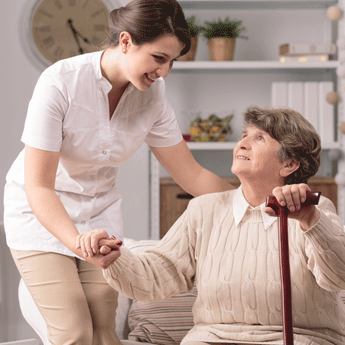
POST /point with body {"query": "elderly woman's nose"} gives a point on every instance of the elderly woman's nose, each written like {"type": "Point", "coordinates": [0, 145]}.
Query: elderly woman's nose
{"type": "Point", "coordinates": [244, 142]}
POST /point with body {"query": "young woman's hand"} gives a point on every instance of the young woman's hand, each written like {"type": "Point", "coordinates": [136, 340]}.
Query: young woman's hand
{"type": "Point", "coordinates": [98, 248]}
{"type": "Point", "coordinates": [293, 196]}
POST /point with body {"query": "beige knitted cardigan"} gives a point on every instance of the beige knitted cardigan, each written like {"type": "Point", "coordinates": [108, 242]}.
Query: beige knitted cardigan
{"type": "Point", "coordinates": [236, 270]}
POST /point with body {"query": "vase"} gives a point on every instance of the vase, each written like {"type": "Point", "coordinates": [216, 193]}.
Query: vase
{"type": "Point", "coordinates": [221, 48]}
{"type": "Point", "coordinates": [190, 56]}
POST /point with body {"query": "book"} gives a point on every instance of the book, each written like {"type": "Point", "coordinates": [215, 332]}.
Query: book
{"type": "Point", "coordinates": [279, 94]}
{"type": "Point", "coordinates": [326, 114]}
{"type": "Point", "coordinates": [304, 58]}
{"type": "Point", "coordinates": [311, 103]}
{"type": "Point", "coordinates": [296, 96]}
{"type": "Point", "coordinates": [306, 49]}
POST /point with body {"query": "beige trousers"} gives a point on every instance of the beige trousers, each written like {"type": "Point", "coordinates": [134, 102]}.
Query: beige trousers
{"type": "Point", "coordinates": [75, 300]}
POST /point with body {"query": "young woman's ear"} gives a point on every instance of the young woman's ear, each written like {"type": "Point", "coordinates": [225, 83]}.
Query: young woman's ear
{"type": "Point", "coordinates": [289, 166]}
{"type": "Point", "coordinates": [125, 41]}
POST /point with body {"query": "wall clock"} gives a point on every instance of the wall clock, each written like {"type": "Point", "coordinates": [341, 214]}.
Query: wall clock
{"type": "Point", "coordinates": [58, 29]}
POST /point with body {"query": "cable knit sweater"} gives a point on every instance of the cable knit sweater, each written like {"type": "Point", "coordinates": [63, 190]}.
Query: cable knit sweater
{"type": "Point", "coordinates": [236, 270]}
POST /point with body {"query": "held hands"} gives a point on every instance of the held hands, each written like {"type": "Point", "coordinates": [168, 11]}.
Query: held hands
{"type": "Point", "coordinates": [98, 248]}
{"type": "Point", "coordinates": [292, 197]}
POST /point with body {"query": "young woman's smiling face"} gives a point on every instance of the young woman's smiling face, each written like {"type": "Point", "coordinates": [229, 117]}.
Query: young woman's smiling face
{"type": "Point", "coordinates": [256, 156]}
{"type": "Point", "coordinates": [143, 64]}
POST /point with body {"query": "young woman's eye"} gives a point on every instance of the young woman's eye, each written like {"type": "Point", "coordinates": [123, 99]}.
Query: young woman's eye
{"type": "Point", "coordinates": [261, 138]}
{"type": "Point", "coordinates": [158, 58]}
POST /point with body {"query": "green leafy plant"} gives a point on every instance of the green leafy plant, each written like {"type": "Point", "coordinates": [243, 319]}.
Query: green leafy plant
{"type": "Point", "coordinates": [224, 28]}
{"type": "Point", "coordinates": [194, 29]}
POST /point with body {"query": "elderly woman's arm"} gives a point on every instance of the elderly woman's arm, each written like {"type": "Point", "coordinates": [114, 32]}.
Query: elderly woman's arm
{"type": "Point", "coordinates": [157, 274]}
{"type": "Point", "coordinates": [323, 231]}
{"type": "Point", "coordinates": [325, 248]}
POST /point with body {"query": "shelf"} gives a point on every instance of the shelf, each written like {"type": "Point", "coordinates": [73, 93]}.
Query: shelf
{"type": "Point", "coordinates": [230, 145]}
{"type": "Point", "coordinates": [258, 4]}
{"type": "Point", "coordinates": [214, 66]}
{"type": "Point", "coordinates": [213, 146]}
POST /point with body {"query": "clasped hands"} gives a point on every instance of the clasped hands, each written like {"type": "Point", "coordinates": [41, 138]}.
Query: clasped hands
{"type": "Point", "coordinates": [98, 248]}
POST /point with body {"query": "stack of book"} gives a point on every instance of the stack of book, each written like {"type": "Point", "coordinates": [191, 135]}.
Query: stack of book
{"type": "Point", "coordinates": [309, 99]}
{"type": "Point", "coordinates": [292, 52]}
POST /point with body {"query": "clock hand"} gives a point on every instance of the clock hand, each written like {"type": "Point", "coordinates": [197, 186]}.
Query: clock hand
{"type": "Point", "coordinates": [83, 37]}
{"type": "Point", "coordinates": [75, 34]}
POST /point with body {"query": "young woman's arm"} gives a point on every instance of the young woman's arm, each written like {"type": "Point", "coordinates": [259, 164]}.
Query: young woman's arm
{"type": "Point", "coordinates": [40, 174]}
{"type": "Point", "coordinates": [179, 162]}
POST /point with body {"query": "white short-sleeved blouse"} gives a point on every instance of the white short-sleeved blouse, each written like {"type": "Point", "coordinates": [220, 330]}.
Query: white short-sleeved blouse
{"type": "Point", "coordinates": [69, 113]}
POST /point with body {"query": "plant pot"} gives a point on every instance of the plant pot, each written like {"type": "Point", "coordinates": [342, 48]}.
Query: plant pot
{"type": "Point", "coordinates": [190, 56]}
{"type": "Point", "coordinates": [221, 48]}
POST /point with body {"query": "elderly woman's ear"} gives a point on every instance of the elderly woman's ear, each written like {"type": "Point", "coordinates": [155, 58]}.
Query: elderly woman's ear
{"type": "Point", "coordinates": [289, 166]}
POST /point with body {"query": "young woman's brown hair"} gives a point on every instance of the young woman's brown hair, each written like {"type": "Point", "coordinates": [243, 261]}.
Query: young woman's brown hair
{"type": "Point", "coordinates": [146, 20]}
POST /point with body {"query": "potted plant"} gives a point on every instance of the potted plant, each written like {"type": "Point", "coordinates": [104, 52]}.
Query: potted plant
{"type": "Point", "coordinates": [195, 30]}
{"type": "Point", "coordinates": [221, 36]}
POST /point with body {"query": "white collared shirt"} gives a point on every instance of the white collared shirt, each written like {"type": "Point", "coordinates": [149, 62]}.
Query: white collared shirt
{"type": "Point", "coordinates": [69, 113]}
{"type": "Point", "coordinates": [241, 205]}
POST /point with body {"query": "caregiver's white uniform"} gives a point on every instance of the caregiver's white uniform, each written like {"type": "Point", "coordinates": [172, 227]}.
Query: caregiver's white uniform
{"type": "Point", "coordinates": [69, 113]}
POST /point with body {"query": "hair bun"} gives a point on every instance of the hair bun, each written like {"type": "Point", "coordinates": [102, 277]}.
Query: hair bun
{"type": "Point", "coordinates": [115, 13]}
{"type": "Point", "coordinates": [146, 20]}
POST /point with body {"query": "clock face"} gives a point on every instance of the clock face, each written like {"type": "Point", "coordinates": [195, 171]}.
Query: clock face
{"type": "Point", "coordinates": [65, 28]}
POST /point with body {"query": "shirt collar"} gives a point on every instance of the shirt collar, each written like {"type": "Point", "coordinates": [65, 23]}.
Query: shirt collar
{"type": "Point", "coordinates": [240, 206]}
{"type": "Point", "coordinates": [103, 82]}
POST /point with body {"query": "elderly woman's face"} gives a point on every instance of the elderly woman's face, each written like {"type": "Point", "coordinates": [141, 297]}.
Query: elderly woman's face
{"type": "Point", "coordinates": [256, 156]}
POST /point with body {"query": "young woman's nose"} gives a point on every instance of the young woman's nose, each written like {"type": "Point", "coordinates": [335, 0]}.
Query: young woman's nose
{"type": "Point", "coordinates": [164, 70]}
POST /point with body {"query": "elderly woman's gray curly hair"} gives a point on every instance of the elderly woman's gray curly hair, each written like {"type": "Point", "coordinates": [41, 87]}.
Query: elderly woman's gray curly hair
{"type": "Point", "coordinates": [297, 137]}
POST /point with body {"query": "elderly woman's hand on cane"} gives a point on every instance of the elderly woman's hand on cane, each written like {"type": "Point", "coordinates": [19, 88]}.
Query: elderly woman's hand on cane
{"type": "Point", "coordinates": [294, 198]}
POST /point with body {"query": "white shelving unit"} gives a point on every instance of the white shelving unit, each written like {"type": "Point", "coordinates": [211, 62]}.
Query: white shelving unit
{"type": "Point", "coordinates": [315, 69]}
{"type": "Point", "coordinates": [211, 66]}
{"type": "Point", "coordinates": [231, 4]}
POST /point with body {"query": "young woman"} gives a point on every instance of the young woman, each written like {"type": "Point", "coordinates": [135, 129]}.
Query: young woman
{"type": "Point", "coordinates": [227, 245]}
{"type": "Point", "coordinates": [87, 115]}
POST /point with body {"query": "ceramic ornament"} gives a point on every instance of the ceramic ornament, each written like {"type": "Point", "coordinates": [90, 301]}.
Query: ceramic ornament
{"type": "Point", "coordinates": [332, 97]}
{"type": "Point", "coordinates": [334, 13]}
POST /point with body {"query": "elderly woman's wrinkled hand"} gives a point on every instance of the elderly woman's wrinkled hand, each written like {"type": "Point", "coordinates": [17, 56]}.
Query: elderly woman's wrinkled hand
{"type": "Point", "coordinates": [98, 248]}
{"type": "Point", "coordinates": [293, 196]}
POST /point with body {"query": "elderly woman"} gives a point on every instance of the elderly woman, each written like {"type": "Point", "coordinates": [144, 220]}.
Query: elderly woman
{"type": "Point", "coordinates": [227, 244]}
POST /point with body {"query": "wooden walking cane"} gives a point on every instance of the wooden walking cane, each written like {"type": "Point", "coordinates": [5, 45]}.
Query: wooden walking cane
{"type": "Point", "coordinates": [282, 214]}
